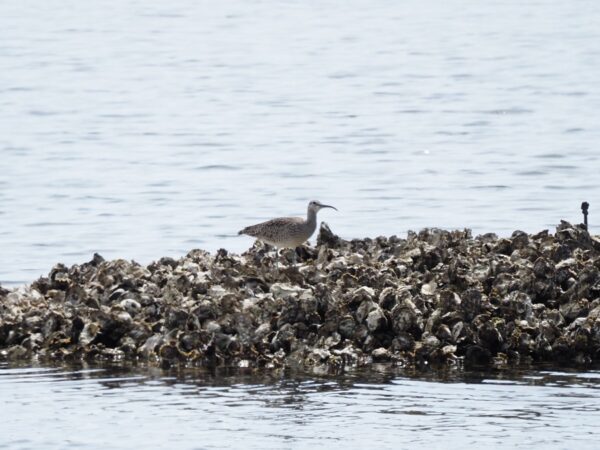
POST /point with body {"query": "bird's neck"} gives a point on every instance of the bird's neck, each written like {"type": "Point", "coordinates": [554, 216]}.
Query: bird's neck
{"type": "Point", "coordinates": [311, 217]}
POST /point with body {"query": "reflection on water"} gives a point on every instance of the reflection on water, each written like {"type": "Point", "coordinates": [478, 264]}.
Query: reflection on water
{"type": "Point", "coordinates": [146, 129]}
{"type": "Point", "coordinates": [126, 407]}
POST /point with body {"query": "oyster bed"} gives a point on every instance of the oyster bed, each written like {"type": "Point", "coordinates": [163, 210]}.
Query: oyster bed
{"type": "Point", "coordinates": [435, 297]}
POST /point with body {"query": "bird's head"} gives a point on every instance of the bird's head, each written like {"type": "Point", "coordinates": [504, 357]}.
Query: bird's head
{"type": "Point", "coordinates": [316, 206]}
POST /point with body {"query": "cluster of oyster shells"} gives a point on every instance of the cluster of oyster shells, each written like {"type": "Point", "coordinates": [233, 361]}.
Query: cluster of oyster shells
{"type": "Point", "coordinates": [435, 297]}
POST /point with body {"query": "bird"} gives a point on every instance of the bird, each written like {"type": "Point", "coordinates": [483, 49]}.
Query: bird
{"type": "Point", "coordinates": [287, 232]}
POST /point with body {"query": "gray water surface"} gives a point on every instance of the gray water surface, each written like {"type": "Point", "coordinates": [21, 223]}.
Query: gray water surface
{"type": "Point", "coordinates": [117, 407]}
{"type": "Point", "coordinates": [142, 129]}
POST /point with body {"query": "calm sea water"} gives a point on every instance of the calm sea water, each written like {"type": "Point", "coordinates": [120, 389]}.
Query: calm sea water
{"type": "Point", "coordinates": [141, 129]}
{"type": "Point", "coordinates": [103, 407]}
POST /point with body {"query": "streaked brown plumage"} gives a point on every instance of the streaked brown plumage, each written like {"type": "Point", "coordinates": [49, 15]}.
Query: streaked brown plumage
{"type": "Point", "coordinates": [287, 232]}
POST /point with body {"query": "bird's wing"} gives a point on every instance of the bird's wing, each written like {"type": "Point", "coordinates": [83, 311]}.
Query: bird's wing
{"type": "Point", "coordinates": [266, 229]}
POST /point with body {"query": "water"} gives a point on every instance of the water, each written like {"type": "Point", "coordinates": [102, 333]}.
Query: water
{"type": "Point", "coordinates": [104, 407]}
{"type": "Point", "coordinates": [141, 129]}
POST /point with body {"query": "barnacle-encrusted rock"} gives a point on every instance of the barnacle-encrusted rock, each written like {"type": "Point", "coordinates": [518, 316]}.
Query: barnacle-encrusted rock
{"type": "Point", "coordinates": [437, 296]}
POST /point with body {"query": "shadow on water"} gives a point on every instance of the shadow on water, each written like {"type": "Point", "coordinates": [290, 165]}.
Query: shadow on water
{"type": "Point", "coordinates": [122, 375]}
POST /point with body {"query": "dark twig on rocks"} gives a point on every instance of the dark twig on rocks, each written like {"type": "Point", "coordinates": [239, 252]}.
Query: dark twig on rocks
{"type": "Point", "coordinates": [584, 209]}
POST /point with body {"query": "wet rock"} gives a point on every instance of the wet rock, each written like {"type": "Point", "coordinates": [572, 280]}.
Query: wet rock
{"type": "Point", "coordinates": [381, 354]}
{"type": "Point", "coordinates": [572, 310]}
{"type": "Point", "coordinates": [490, 336]}
{"type": "Point", "coordinates": [89, 333]}
{"type": "Point", "coordinates": [471, 303]}
{"type": "Point", "coordinates": [436, 296]}
{"type": "Point", "coordinates": [518, 305]}
{"type": "Point", "coordinates": [444, 333]}
{"type": "Point", "coordinates": [519, 240]}
{"type": "Point", "coordinates": [347, 326]}
{"type": "Point", "coordinates": [326, 238]}
{"type": "Point", "coordinates": [406, 317]}
{"type": "Point", "coordinates": [376, 320]}
{"type": "Point", "coordinates": [503, 246]}
{"type": "Point", "coordinates": [544, 268]}
{"type": "Point", "coordinates": [477, 355]}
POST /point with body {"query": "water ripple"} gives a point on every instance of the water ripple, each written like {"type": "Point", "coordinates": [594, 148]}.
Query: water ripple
{"type": "Point", "coordinates": [268, 410]}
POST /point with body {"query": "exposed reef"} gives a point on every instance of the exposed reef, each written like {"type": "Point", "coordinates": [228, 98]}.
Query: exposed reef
{"type": "Point", "coordinates": [434, 297]}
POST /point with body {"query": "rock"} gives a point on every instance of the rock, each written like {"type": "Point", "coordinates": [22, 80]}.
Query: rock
{"type": "Point", "coordinates": [381, 354]}
{"type": "Point", "coordinates": [439, 296]}
{"type": "Point", "coordinates": [376, 320]}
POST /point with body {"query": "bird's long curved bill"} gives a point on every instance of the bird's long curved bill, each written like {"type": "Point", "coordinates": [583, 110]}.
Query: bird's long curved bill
{"type": "Point", "coordinates": [329, 206]}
